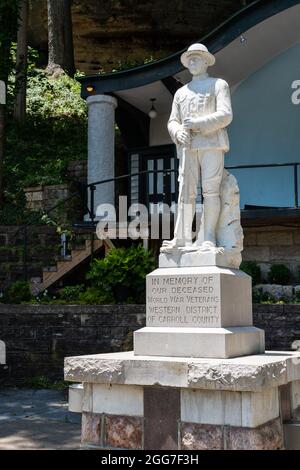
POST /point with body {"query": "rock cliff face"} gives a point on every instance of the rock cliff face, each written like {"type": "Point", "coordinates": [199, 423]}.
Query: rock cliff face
{"type": "Point", "coordinates": [110, 33]}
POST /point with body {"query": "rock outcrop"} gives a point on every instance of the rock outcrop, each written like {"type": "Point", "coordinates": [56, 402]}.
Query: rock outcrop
{"type": "Point", "coordinates": [112, 33]}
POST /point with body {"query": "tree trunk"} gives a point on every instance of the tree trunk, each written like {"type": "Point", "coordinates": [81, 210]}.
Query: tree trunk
{"type": "Point", "coordinates": [60, 38]}
{"type": "Point", "coordinates": [8, 27]}
{"type": "Point", "coordinates": [21, 66]}
{"type": "Point", "coordinates": [2, 114]}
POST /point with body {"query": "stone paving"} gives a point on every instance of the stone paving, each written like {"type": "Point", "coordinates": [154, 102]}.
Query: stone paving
{"type": "Point", "coordinates": [37, 420]}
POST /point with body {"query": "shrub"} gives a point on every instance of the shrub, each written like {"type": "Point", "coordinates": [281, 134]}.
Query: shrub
{"type": "Point", "coordinates": [71, 293]}
{"type": "Point", "coordinates": [18, 292]}
{"type": "Point", "coordinates": [121, 274]}
{"type": "Point", "coordinates": [38, 153]}
{"type": "Point", "coordinates": [253, 269]}
{"type": "Point", "coordinates": [259, 297]}
{"type": "Point", "coordinates": [94, 296]}
{"type": "Point", "coordinates": [279, 274]}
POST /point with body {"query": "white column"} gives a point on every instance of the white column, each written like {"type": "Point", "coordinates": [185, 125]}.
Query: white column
{"type": "Point", "coordinates": [101, 146]}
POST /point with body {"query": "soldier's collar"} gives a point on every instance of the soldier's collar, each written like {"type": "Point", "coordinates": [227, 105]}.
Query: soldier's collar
{"type": "Point", "coordinates": [203, 76]}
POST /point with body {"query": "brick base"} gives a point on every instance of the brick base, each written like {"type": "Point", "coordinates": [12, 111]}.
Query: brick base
{"type": "Point", "coordinates": [127, 432]}
{"type": "Point", "coordinates": [106, 431]}
{"type": "Point", "coordinates": [208, 437]}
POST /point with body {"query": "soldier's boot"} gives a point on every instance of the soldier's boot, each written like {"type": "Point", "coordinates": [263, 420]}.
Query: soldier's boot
{"type": "Point", "coordinates": [183, 229]}
{"type": "Point", "coordinates": [212, 207]}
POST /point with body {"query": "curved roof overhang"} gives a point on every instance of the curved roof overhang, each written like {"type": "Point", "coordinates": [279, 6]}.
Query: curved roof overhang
{"type": "Point", "coordinates": [260, 20]}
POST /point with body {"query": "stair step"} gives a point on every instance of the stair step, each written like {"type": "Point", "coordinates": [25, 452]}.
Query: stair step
{"type": "Point", "coordinates": [63, 258]}
{"type": "Point", "coordinates": [79, 247]}
{"type": "Point", "coordinates": [67, 264]}
{"type": "Point", "coordinates": [50, 269]}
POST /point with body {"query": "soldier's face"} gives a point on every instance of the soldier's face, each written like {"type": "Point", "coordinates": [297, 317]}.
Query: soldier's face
{"type": "Point", "coordinates": [197, 64]}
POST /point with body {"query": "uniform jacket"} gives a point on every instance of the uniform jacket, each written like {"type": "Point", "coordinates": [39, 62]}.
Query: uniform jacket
{"type": "Point", "coordinates": [209, 100]}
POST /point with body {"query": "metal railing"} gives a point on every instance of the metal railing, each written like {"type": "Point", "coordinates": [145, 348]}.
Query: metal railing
{"type": "Point", "coordinates": [91, 188]}
{"type": "Point", "coordinates": [90, 208]}
{"type": "Point", "coordinates": [24, 228]}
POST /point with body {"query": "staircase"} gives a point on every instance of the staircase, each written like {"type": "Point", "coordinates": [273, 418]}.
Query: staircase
{"type": "Point", "coordinates": [65, 265]}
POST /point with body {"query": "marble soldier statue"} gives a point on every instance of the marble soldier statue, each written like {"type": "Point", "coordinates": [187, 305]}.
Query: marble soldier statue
{"type": "Point", "coordinates": [201, 112]}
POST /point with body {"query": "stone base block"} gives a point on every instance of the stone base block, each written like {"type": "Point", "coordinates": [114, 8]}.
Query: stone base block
{"type": "Point", "coordinates": [207, 437]}
{"type": "Point", "coordinates": [151, 403]}
{"type": "Point", "coordinates": [228, 259]}
{"type": "Point", "coordinates": [198, 297]}
{"type": "Point", "coordinates": [199, 342]}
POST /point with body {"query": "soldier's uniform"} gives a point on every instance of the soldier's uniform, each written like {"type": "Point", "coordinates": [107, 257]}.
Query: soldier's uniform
{"type": "Point", "coordinates": [208, 100]}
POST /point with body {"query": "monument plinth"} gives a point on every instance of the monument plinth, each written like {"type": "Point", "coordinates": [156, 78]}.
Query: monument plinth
{"type": "Point", "coordinates": [198, 312]}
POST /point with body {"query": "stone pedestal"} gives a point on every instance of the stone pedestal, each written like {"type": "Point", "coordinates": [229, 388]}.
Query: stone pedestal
{"type": "Point", "coordinates": [199, 342]}
{"type": "Point", "coordinates": [163, 403]}
{"type": "Point", "coordinates": [101, 146]}
{"type": "Point", "coordinates": [198, 312]}
{"type": "Point", "coordinates": [231, 258]}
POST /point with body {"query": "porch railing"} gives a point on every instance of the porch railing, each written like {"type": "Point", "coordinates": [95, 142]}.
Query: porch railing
{"type": "Point", "coordinates": [91, 188]}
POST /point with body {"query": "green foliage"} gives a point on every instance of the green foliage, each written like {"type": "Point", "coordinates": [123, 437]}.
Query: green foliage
{"type": "Point", "coordinates": [130, 64]}
{"type": "Point", "coordinates": [71, 293]}
{"type": "Point", "coordinates": [279, 274]}
{"type": "Point", "coordinates": [94, 296]}
{"type": "Point", "coordinates": [54, 98]}
{"type": "Point", "coordinates": [122, 273]}
{"type": "Point", "coordinates": [259, 297]}
{"type": "Point", "coordinates": [54, 134]}
{"type": "Point", "coordinates": [297, 296]}
{"type": "Point", "coordinates": [253, 269]}
{"type": "Point", "coordinates": [45, 297]}
{"type": "Point", "coordinates": [42, 382]}
{"type": "Point", "coordinates": [18, 292]}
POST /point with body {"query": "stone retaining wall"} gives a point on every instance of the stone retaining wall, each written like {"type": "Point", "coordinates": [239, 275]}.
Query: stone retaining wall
{"type": "Point", "coordinates": [273, 245]}
{"type": "Point", "coordinates": [42, 247]}
{"type": "Point", "coordinates": [38, 337]}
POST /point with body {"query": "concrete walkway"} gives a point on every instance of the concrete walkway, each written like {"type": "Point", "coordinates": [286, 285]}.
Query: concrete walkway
{"type": "Point", "coordinates": [37, 419]}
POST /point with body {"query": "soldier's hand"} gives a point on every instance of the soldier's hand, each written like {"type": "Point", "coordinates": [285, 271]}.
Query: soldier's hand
{"type": "Point", "coordinates": [183, 137]}
{"type": "Point", "coordinates": [190, 123]}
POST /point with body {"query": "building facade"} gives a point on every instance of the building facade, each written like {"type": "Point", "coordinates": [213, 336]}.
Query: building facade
{"type": "Point", "coordinates": [257, 53]}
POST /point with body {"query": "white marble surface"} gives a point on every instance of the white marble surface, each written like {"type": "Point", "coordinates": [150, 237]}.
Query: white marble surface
{"type": "Point", "coordinates": [246, 409]}
{"type": "Point", "coordinates": [253, 373]}
{"type": "Point", "coordinates": [87, 401]}
{"type": "Point", "coordinates": [229, 231]}
{"type": "Point", "coordinates": [199, 342]}
{"type": "Point", "coordinates": [117, 399]}
{"type": "Point", "coordinates": [258, 408]}
{"type": "Point", "coordinates": [231, 258]}
{"type": "Point", "coordinates": [211, 407]}
{"type": "Point", "coordinates": [199, 297]}
{"type": "Point", "coordinates": [201, 111]}
{"type": "Point", "coordinates": [295, 392]}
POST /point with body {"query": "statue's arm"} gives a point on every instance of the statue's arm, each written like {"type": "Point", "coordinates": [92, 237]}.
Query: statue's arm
{"type": "Point", "coordinates": [174, 123]}
{"type": "Point", "coordinates": [222, 117]}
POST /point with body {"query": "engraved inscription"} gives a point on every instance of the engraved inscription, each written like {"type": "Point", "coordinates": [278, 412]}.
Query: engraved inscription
{"type": "Point", "coordinates": [190, 301]}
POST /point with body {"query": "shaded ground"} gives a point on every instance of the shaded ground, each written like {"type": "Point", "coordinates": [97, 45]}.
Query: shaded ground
{"type": "Point", "coordinates": [37, 419]}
